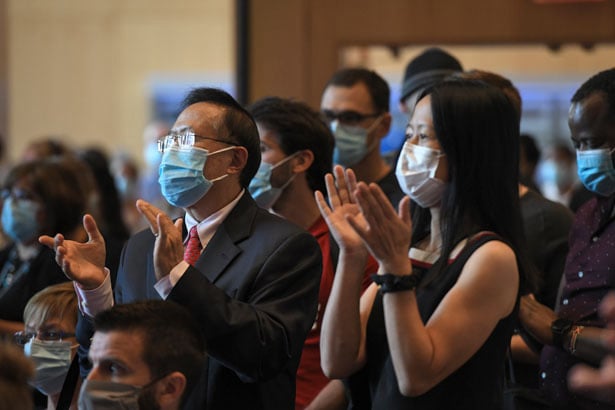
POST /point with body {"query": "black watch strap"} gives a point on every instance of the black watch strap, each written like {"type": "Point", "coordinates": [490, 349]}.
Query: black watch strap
{"type": "Point", "coordinates": [389, 282]}
{"type": "Point", "coordinates": [559, 329]}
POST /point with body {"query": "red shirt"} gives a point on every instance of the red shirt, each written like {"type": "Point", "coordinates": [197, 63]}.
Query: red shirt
{"type": "Point", "coordinates": [310, 378]}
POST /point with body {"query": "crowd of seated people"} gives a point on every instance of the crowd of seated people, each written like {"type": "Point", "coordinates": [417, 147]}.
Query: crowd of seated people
{"type": "Point", "coordinates": [286, 264]}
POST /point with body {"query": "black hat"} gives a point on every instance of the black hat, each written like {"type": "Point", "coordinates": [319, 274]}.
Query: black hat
{"type": "Point", "coordinates": [426, 69]}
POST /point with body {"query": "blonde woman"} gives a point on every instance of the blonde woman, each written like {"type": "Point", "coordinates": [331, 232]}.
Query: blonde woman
{"type": "Point", "coordinates": [49, 341]}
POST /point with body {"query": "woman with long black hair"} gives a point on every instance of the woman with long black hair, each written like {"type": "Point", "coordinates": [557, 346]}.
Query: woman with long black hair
{"type": "Point", "coordinates": [434, 328]}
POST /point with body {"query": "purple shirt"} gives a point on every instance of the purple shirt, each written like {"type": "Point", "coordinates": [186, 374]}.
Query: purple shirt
{"type": "Point", "coordinates": [589, 275]}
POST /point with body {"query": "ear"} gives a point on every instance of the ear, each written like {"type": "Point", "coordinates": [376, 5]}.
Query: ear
{"type": "Point", "coordinates": [303, 161]}
{"type": "Point", "coordinates": [385, 125]}
{"type": "Point", "coordinates": [170, 390]}
{"type": "Point", "coordinates": [239, 160]}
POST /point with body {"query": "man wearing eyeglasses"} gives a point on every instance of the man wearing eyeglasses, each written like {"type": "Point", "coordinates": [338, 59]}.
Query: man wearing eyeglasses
{"type": "Point", "coordinates": [249, 278]}
{"type": "Point", "coordinates": [355, 103]}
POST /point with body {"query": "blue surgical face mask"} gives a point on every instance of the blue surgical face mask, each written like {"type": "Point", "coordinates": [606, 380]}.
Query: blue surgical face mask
{"type": "Point", "coordinates": [19, 219]}
{"type": "Point", "coordinates": [52, 361]}
{"type": "Point", "coordinates": [260, 187]}
{"type": "Point", "coordinates": [596, 172]}
{"type": "Point", "coordinates": [351, 142]}
{"type": "Point", "coordinates": [181, 176]}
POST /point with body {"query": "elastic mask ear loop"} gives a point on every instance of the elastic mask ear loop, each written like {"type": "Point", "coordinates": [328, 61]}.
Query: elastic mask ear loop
{"type": "Point", "coordinates": [375, 124]}
{"type": "Point", "coordinates": [209, 154]}
{"type": "Point", "coordinates": [285, 160]}
{"type": "Point", "coordinates": [218, 152]}
{"type": "Point", "coordinates": [152, 382]}
{"type": "Point", "coordinates": [282, 162]}
{"type": "Point", "coordinates": [370, 129]}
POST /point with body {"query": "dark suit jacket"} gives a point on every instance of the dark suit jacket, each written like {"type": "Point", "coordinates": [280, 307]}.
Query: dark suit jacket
{"type": "Point", "coordinates": [254, 291]}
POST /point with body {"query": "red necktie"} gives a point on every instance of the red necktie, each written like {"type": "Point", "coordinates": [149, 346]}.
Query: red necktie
{"type": "Point", "coordinates": [193, 247]}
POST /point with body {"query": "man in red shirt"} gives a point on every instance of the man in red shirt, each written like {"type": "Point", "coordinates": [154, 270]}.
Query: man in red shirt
{"type": "Point", "coordinates": [296, 150]}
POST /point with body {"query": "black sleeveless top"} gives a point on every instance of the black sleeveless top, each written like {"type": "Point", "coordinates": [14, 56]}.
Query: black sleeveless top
{"type": "Point", "coordinates": [475, 385]}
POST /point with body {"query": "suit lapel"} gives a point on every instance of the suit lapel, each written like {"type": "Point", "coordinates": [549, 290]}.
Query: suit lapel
{"type": "Point", "coordinates": [222, 249]}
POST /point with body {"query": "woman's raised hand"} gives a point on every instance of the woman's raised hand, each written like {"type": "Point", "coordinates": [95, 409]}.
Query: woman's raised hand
{"type": "Point", "coordinates": [385, 232]}
{"type": "Point", "coordinates": [341, 206]}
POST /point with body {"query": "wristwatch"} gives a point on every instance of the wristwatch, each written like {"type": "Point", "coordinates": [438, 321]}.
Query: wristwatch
{"type": "Point", "coordinates": [395, 283]}
{"type": "Point", "coordinates": [559, 330]}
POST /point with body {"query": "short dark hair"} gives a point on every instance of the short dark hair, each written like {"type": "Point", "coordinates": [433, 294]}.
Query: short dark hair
{"type": "Point", "coordinates": [478, 130]}
{"type": "Point", "coordinates": [377, 87]}
{"type": "Point", "coordinates": [297, 127]}
{"type": "Point", "coordinates": [63, 185]}
{"type": "Point", "coordinates": [237, 122]}
{"type": "Point", "coordinates": [172, 340]}
{"type": "Point", "coordinates": [603, 83]}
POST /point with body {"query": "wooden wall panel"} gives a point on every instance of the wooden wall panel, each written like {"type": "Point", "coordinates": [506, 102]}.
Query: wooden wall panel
{"type": "Point", "coordinates": [279, 47]}
{"type": "Point", "coordinates": [302, 40]}
{"type": "Point", "coordinates": [86, 70]}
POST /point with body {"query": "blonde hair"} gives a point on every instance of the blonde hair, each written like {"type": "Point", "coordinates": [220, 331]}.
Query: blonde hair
{"type": "Point", "coordinates": [56, 301]}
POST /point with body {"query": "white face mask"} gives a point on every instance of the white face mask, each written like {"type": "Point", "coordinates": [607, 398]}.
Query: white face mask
{"type": "Point", "coordinates": [52, 361]}
{"type": "Point", "coordinates": [415, 172]}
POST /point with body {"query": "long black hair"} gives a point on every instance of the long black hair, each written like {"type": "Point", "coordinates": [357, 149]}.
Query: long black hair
{"type": "Point", "coordinates": [478, 130]}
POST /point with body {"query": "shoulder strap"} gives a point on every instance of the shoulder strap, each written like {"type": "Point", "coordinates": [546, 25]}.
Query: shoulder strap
{"type": "Point", "coordinates": [70, 383]}
{"type": "Point", "coordinates": [475, 242]}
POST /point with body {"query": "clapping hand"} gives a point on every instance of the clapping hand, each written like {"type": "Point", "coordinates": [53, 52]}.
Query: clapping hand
{"type": "Point", "coordinates": [169, 246]}
{"type": "Point", "coordinates": [82, 262]}
{"type": "Point", "coordinates": [341, 206]}
{"type": "Point", "coordinates": [386, 233]}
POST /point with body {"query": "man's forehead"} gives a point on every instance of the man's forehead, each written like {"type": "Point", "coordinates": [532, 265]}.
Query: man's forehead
{"type": "Point", "coordinates": [590, 118]}
{"type": "Point", "coordinates": [589, 113]}
{"type": "Point", "coordinates": [116, 343]}
{"type": "Point", "coordinates": [339, 97]}
{"type": "Point", "coordinates": [204, 118]}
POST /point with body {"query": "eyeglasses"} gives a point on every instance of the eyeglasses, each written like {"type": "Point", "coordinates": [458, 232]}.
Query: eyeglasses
{"type": "Point", "coordinates": [21, 338]}
{"type": "Point", "coordinates": [184, 139]}
{"type": "Point", "coordinates": [347, 117]}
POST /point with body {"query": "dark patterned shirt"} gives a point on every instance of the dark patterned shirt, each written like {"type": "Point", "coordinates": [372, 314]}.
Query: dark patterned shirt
{"type": "Point", "coordinates": [589, 275]}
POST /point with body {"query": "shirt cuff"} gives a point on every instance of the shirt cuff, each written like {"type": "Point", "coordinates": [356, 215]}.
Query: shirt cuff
{"type": "Point", "coordinates": [94, 301]}
{"type": "Point", "coordinates": [165, 285]}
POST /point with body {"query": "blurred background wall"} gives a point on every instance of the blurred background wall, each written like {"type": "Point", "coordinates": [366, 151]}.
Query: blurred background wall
{"type": "Point", "coordinates": [91, 72]}
{"type": "Point", "coordinates": [95, 73]}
